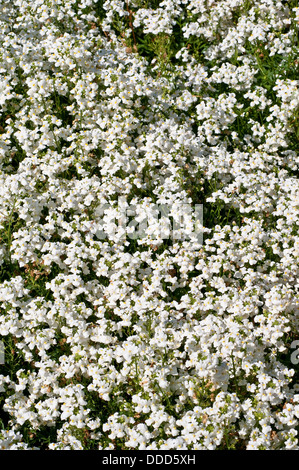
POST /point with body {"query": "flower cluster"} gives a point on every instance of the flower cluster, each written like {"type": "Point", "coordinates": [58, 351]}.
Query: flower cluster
{"type": "Point", "coordinates": [120, 342]}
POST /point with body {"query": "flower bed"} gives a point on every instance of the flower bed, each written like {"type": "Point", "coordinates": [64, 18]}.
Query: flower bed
{"type": "Point", "coordinates": [149, 214]}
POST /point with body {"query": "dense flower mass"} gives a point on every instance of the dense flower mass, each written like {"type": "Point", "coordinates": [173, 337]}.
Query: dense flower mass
{"type": "Point", "coordinates": [111, 113]}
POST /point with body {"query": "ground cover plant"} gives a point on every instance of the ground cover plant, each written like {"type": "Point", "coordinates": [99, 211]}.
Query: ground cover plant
{"type": "Point", "coordinates": [116, 341]}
